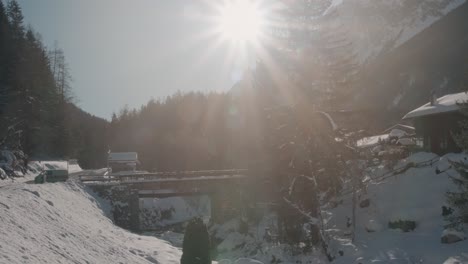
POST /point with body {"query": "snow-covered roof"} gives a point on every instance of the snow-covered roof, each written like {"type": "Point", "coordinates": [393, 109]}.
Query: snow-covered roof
{"type": "Point", "coordinates": [401, 127]}
{"type": "Point", "coordinates": [398, 133]}
{"type": "Point", "coordinates": [123, 156]}
{"type": "Point", "coordinates": [444, 104]}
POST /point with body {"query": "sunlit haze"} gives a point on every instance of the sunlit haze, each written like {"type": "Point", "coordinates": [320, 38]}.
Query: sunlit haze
{"type": "Point", "coordinates": [125, 53]}
{"type": "Point", "coordinates": [240, 21]}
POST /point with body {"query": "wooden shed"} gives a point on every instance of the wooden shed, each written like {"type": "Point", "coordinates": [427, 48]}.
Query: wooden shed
{"type": "Point", "coordinates": [438, 121]}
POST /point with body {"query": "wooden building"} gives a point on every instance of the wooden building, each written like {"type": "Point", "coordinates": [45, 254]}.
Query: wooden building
{"type": "Point", "coordinates": [438, 121]}
{"type": "Point", "coordinates": [122, 161]}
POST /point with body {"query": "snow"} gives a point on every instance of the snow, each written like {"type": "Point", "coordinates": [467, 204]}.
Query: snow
{"type": "Point", "coordinates": [423, 23]}
{"type": "Point", "coordinates": [444, 104]}
{"type": "Point", "coordinates": [38, 166]}
{"type": "Point", "coordinates": [398, 133]}
{"type": "Point", "coordinates": [417, 194]}
{"type": "Point", "coordinates": [408, 129]}
{"type": "Point", "coordinates": [178, 210]}
{"type": "Point", "coordinates": [406, 142]}
{"type": "Point", "coordinates": [376, 27]}
{"type": "Point", "coordinates": [371, 141]}
{"type": "Point", "coordinates": [63, 223]}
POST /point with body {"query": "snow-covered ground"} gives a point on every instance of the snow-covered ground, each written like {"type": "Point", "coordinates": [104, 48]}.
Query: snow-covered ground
{"type": "Point", "coordinates": [63, 223]}
{"type": "Point", "coordinates": [417, 194]}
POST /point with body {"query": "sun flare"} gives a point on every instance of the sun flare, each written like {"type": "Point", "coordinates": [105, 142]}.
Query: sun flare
{"type": "Point", "coordinates": [240, 21]}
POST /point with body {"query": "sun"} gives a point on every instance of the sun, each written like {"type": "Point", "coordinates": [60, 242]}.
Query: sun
{"type": "Point", "coordinates": [240, 21]}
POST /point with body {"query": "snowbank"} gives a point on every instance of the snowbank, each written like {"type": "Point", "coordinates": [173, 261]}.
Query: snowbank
{"type": "Point", "coordinates": [62, 223]}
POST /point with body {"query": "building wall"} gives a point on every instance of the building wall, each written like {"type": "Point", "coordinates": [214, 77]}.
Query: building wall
{"type": "Point", "coordinates": [437, 132]}
{"type": "Point", "coordinates": [116, 167]}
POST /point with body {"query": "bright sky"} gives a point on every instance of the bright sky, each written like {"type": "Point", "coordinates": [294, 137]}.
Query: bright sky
{"type": "Point", "coordinates": [127, 52]}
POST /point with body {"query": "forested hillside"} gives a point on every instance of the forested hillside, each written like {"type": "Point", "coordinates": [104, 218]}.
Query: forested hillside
{"type": "Point", "coordinates": [37, 114]}
{"type": "Point", "coordinates": [184, 131]}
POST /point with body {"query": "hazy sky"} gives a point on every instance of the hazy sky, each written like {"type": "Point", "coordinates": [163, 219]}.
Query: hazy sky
{"type": "Point", "coordinates": [127, 52]}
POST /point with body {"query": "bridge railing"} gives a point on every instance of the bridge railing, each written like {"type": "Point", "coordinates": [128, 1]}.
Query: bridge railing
{"type": "Point", "coordinates": [176, 175]}
{"type": "Point", "coordinates": [208, 174]}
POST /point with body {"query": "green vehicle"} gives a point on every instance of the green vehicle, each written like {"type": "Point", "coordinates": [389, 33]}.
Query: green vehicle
{"type": "Point", "coordinates": [52, 176]}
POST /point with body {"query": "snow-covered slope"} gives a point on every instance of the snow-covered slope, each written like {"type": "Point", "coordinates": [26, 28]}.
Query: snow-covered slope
{"type": "Point", "coordinates": [415, 195]}
{"type": "Point", "coordinates": [63, 223]}
{"type": "Point", "coordinates": [375, 27]}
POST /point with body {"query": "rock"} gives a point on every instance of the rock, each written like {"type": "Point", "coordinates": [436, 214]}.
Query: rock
{"type": "Point", "coordinates": [364, 203]}
{"type": "Point", "coordinates": [450, 236]}
{"type": "Point", "coordinates": [373, 226]}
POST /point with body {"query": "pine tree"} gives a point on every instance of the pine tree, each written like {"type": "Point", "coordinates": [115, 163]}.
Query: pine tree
{"type": "Point", "coordinates": [196, 245]}
{"type": "Point", "coordinates": [459, 199]}
{"type": "Point", "coordinates": [16, 20]}
{"type": "Point", "coordinates": [4, 39]}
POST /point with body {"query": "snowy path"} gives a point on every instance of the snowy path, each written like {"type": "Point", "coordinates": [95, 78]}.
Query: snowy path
{"type": "Point", "coordinates": [62, 223]}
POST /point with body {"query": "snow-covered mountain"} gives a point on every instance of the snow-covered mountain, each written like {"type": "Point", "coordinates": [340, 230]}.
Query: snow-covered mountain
{"type": "Point", "coordinates": [406, 50]}
{"type": "Point", "coordinates": [434, 60]}
{"type": "Point", "coordinates": [378, 26]}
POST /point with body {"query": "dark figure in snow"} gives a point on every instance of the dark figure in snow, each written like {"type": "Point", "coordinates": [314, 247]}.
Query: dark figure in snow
{"type": "Point", "coordinates": [196, 245]}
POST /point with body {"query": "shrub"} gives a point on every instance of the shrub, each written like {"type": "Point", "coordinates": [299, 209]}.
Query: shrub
{"type": "Point", "coordinates": [404, 225]}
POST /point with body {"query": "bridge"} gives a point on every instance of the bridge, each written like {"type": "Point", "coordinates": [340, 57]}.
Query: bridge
{"type": "Point", "coordinates": [224, 187]}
